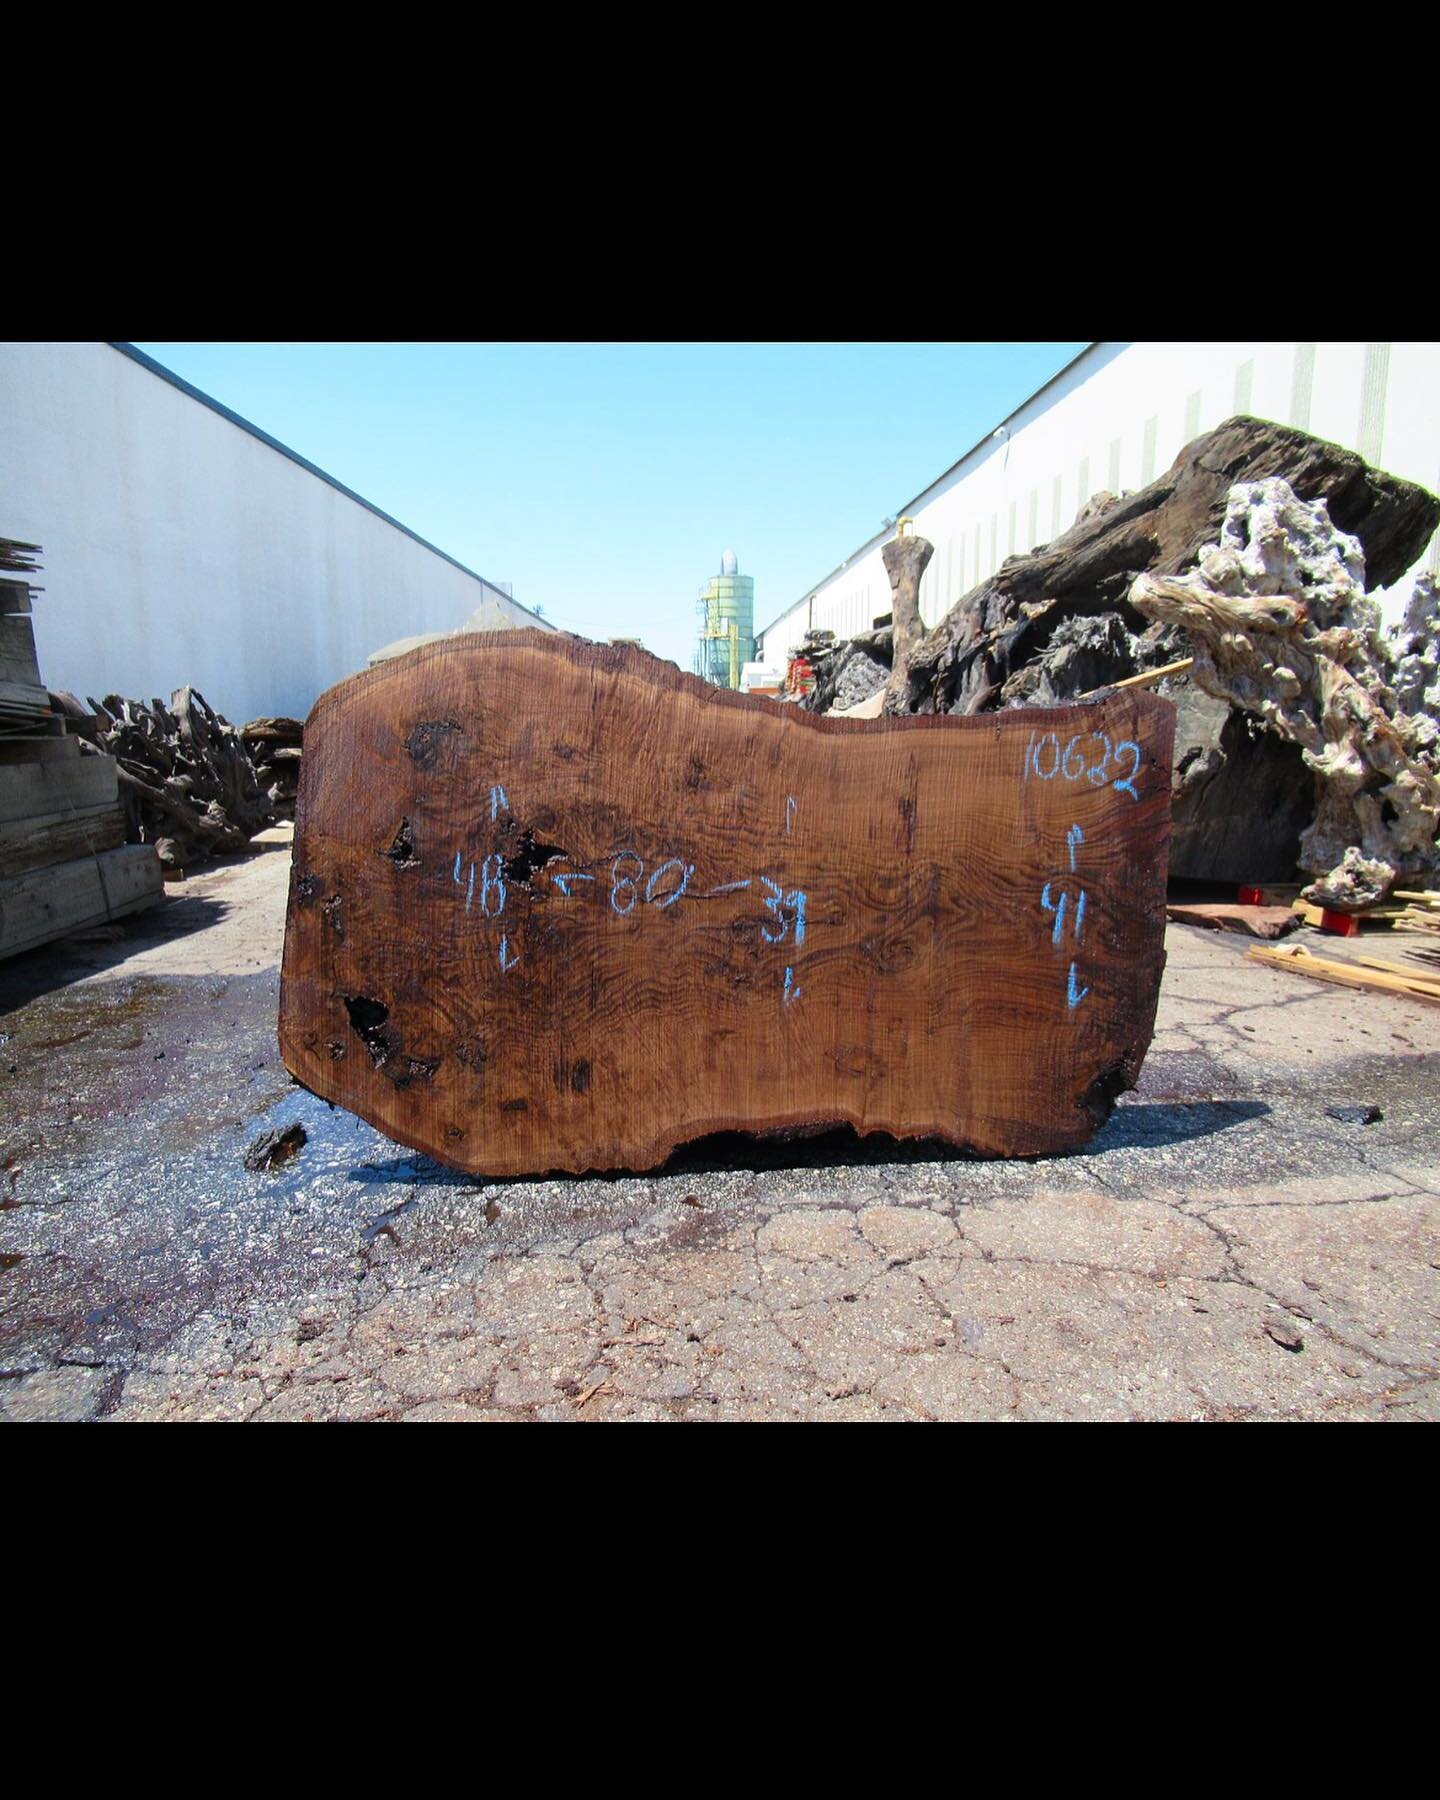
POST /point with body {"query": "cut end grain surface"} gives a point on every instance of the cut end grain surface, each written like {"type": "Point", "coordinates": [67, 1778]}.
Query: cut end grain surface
{"type": "Point", "coordinates": [557, 906]}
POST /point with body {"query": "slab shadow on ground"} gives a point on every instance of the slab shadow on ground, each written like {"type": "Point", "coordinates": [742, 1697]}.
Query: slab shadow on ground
{"type": "Point", "coordinates": [64, 961]}
{"type": "Point", "coordinates": [1155, 1123]}
{"type": "Point", "coordinates": [1143, 1124]}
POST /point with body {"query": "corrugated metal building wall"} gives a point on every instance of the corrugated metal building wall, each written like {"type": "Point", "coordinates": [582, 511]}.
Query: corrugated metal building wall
{"type": "Point", "coordinates": [1115, 418]}
{"type": "Point", "coordinates": [183, 544]}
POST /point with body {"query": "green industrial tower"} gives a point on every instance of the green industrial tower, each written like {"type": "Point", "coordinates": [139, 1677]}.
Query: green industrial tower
{"type": "Point", "coordinates": [726, 612]}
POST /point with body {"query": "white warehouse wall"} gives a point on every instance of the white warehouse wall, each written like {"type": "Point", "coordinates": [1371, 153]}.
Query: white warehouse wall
{"type": "Point", "coordinates": [1116, 418]}
{"type": "Point", "coordinates": [179, 546]}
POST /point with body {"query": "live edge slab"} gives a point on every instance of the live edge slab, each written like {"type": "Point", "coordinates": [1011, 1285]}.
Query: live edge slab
{"type": "Point", "coordinates": [557, 906]}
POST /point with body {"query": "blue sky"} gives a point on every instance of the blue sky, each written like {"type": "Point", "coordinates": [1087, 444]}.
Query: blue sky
{"type": "Point", "coordinates": [605, 480]}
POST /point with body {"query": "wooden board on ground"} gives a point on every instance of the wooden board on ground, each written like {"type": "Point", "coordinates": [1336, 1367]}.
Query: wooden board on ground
{"type": "Point", "coordinates": [1385, 978]}
{"type": "Point", "coordinates": [556, 905]}
{"type": "Point", "coordinates": [92, 890]}
{"type": "Point", "coordinates": [1253, 921]}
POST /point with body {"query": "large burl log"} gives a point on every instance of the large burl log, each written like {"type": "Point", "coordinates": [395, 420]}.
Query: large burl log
{"type": "Point", "coordinates": [994, 631]}
{"type": "Point", "coordinates": [557, 906]}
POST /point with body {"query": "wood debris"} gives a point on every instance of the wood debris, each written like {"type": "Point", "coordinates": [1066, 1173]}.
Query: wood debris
{"type": "Point", "coordinates": [1069, 619]}
{"type": "Point", "coordinates": [274, 746]}
{"type": "Point", "coordinates": [186, 777]}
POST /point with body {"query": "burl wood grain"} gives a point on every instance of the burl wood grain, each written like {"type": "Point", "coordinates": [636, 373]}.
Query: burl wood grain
{"type": "Point", "coordinates": [557, 906]}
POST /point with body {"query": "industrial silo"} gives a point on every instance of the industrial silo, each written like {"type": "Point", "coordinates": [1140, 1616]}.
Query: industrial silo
{"type": "Point", "coordinates": [725, 639]}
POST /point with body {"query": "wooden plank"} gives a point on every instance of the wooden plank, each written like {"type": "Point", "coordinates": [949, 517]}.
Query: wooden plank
{"type": "Point", "coordinates": [1423, 976]}
{"type": "Point", "coordinates": [556, 905]}
{"type": "Point", "coordinates": [18, 662]}
{"type": "Point", "coordinates": [1146, 677]}
{"type": "Point", "coordinates": [50, 903]}
{"type": "Point", "coordinates": [37, 843]}
{"type": "Point", "coordinates": [1320, 968]}
{"type": "Point", "coordinates": [1253, 921]}
{"type": "Point", "coordinates": [51, 749]}
{"type": "Point", "coordinates": [37, 790]}
{"type": "Point", "coordinates": [51, 725]}
{"type": "Point", "coordinates": [23, 699]}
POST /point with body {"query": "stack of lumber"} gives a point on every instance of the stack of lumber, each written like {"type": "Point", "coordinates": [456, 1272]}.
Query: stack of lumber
{"type": "Point", "coordinates": [64, 863]}
{"type": "Point", "coordinates": [274, 746]}
{"type": "Point", "coordinates": [1422, 907]}
{"type": "Point", "coordinates": [187, 780]}
{"type": "Point", "coordinates": [24, 703]}
{"type": "Point", "coordinates": [1406, 909]}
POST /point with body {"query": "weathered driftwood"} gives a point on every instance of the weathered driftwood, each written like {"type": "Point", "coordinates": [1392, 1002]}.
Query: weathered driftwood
{"type": "Point", "coordinates": [187, 780]}
{"type": "Point", "coordinates": [850, 671]}
{"type": "Point", "coordinates": [1280, 626]}
{"type": "Point", "coordinates": [274, 746]}
{"type": "Point", "coordinates": [558, 906]}
{"type": "Point", "coordinates": [906, 559]}
{"type": "Point", "coordinates": [1004, 624]}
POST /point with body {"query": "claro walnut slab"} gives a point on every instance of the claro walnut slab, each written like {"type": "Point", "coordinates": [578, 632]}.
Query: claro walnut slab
{"type": "Point", "coordinates": [558, 906]}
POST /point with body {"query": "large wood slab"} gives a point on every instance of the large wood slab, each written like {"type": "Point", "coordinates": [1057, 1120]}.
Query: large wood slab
{"type": "Point", "coordinates": [557, 906]}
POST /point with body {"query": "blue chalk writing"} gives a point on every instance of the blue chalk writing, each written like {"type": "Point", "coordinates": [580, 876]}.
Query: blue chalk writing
{"type": "Point", "coordinates": [1074, 998]}
{"type": "Point", "coordinates": [563, 881]}
{"type": "Point", "coordinates": [457, 868]}
{"type": "Point", "coordinates": [1073, 837]}
{"type": "Point", "coordinates": [669, 899]}
{"type": "Point", "coordinates": [492, 883]}
{"type": "Point", "coordinates": [1057, 907]}
{"type": "Point", "coordinates": [792, 992]}
{"type": "Point", "coordinates": [470, 891]}
{"type": "Point", "coordinates": [1076, 760]}
{"type": "Point", "coordinates": [624, 883]}
{"type": "Point", "coordinates": [730, 887]}
{"type": "Point", "coordinates": [498, 798]}
{"type": "Point", "coordinates": [789, 809]}
{"type": "Point", "coordinates": [506, 967]}
{"type": "Point", "coordinates": [777, 902]}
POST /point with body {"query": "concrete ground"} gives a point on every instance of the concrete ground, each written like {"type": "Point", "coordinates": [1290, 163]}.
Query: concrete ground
{"type": "Point", "coordinates": [1225, 1249]}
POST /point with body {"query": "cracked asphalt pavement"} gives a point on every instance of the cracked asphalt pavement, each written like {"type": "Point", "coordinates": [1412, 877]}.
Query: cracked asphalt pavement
{"type": "Point", "coordinates": [1224, 1249]}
